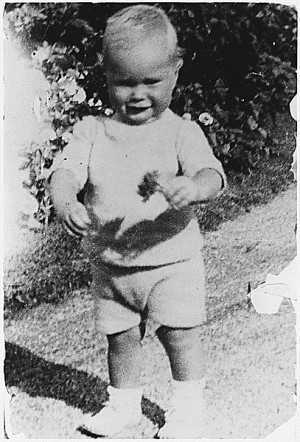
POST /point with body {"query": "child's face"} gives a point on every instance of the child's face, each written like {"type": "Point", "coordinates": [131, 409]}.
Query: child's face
{"type": "Point", "coordinates": [140, 82]}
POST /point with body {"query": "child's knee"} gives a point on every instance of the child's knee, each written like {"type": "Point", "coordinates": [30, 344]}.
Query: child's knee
{"type": "Point", "coordinates": [125, 339]}
{"type": "Point", "coordinates": [178, 337]}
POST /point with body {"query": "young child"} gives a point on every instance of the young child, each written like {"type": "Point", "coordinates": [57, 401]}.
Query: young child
{"type": "Point", "coordinates": [141, 172]}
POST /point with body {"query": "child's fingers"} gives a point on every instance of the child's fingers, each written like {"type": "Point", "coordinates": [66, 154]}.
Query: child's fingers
{"type": "Point", "coordinates": [75, 227]}
{"type": "Point", "coordinates": [174, 184]}
{"type": "Point", "coordinates": [77, 221]}
{"type": "Point", "coordinates": [179, 201]}
{"type": "Point", "coordinates": [179, 191]}
{"type": "Point", "coordinates": [171, 196]}
{"type": "Point", "coordinates": [182, 196]}
{"type": "Point", "coordinates": [71, 231]}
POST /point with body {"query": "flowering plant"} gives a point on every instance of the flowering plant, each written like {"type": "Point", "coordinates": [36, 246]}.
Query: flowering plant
{"type": "Point", "coordinates": [206, 119]}
{"type": "Point", "coordinates": [64, 103]}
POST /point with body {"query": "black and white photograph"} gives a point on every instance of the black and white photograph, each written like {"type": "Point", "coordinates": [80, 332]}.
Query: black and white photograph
{"type": "Point", "coordinates": [150, 220]}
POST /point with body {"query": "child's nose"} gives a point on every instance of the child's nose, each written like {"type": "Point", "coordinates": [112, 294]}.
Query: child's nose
{"type": "Point", "coordinates": [139, 92]}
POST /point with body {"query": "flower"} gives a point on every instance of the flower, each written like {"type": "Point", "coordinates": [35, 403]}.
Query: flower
{"type": "Point", "coordinates": [108, 112]}
{"type": "Point", "coordinates": [71, 87]}
{"type": "Point", "coordinates": [46, 133]}
{"type": "Point", "coordinates": [66, 136]}
{"type": "Point", "coordinates": [206, 119]}
{"type": "Point", "coordinates": [94, 102]}
{"type": "Point", "coordinates": [80, 96]}
{"type": "Point", "coordinates": [187, 116]}
{"type": "Point", "coordinates": [68, 84]}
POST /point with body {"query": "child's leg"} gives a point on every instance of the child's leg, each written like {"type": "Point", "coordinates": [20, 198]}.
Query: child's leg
{"type": "Point", "coordinates": [123, 407]}
{"type": "Point", "coordinates": [185, 418]}
{"type": "Point", "coordinates": [185, 352]}
{"type": "Point", "coordinates": [124, 357]}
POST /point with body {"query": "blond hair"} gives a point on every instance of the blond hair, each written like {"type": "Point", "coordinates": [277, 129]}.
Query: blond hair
{"type": "Point", "coordinates": [133, 25]}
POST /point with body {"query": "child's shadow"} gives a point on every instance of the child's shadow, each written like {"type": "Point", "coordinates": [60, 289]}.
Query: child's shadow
{"type": "Point", "coordinates": [38, 377]}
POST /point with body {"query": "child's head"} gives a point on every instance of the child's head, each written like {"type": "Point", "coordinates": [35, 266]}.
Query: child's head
{"type": "Point", "coordinates": [141, 60]}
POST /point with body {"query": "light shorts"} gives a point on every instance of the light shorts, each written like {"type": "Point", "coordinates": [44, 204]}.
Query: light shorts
{"type": "Point", "coordinates": [172, 295]}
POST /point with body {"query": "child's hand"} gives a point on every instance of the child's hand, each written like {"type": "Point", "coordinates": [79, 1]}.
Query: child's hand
{"type": "Point", "coordinates": [75, 218]}
{"type": "Point", "coordinates": [179, 191]}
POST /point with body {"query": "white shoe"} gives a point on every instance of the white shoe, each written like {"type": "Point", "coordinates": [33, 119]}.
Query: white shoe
{"type": "Point", "coordinates": [186, 418]}
{"type": "Point", "coordinates": [180, 426]}
{"type": "Point", "coordinates": [115, 416]}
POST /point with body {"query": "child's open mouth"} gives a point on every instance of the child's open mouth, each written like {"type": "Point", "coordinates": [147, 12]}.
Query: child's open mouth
{"type": "Point", "coordinates": [136, 110]}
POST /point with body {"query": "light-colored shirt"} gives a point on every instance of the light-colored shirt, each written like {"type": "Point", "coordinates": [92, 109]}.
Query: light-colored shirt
{"type": "Point", "coordinates": [110, 161]}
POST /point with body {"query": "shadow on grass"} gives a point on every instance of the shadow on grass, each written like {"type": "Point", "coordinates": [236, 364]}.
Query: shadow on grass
{"type": "Point", "coordinates": [38, 377]}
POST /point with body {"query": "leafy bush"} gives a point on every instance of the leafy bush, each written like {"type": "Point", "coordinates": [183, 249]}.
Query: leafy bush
{"type": "Point", "coordinates": [239, 70]}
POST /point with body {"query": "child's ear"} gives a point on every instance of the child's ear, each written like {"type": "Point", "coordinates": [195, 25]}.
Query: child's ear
{"type": "Point", "coordinates": [179, 65]}
{"type": "Point", "coordinates": [176, 71]}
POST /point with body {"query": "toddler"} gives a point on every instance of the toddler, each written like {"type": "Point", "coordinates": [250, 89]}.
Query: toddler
{"type": "Point", "coordinates": [141, 171]}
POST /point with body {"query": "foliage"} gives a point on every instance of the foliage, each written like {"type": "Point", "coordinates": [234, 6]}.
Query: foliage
{"type": "Point", "coordinates": [239, 69]}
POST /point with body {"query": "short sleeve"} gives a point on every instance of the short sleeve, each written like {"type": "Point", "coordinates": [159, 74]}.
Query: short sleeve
{"type": "Point", "coordinates": [75, 155]}
{"type": "Point", "coordinates": [194, 152]}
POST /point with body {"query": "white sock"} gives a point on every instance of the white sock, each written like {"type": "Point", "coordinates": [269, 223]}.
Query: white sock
{"type": "Point", "coordinates": [193, 383]}
{"type": "Point", "coordinates": [125, 396]}
{"type": "Point", "coordinates": [186, 416]}
{"type": "Point", "coordinates": [189, 395]}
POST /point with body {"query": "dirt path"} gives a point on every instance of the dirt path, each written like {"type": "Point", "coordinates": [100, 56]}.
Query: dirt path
{"type": "Point", "coordinates": [56, 363]}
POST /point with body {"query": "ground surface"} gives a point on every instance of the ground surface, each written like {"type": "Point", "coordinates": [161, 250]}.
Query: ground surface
{"type": "Point", "coordinates": [56, 362]}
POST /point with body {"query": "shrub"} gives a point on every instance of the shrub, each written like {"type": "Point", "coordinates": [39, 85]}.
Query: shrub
{"type": "Point", "coordinates": [239, 70]}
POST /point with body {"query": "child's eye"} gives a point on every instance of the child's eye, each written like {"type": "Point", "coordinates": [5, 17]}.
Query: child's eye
{"type": "Point", "coordinates": [153, 81]}
{"type": "Point", "coordinates": [132, 83]}
{"type": "Point", "coordinates": [124, 84]}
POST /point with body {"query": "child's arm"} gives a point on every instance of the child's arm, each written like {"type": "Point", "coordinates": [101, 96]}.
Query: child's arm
{"type": "Point", "coordinates": [181, 191]}
{"type": "Point", "coordinates": [68, 176]}
{"type": "Point", "coordinates": [202, 176]}
{"type": "Point", "coordinates": [64, 188]}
